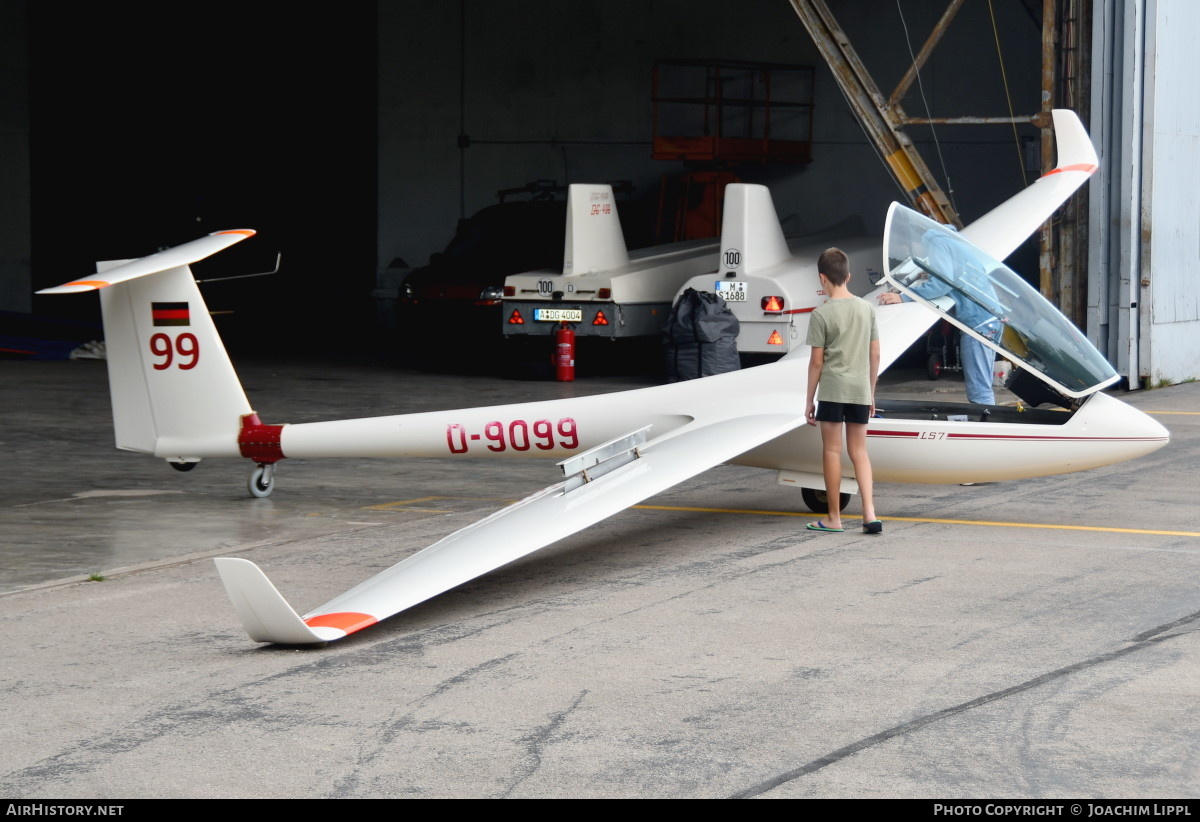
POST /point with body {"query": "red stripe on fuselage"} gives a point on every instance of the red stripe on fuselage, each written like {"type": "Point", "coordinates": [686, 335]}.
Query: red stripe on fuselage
{"type": "Point", "coordinates": [1020, 437]}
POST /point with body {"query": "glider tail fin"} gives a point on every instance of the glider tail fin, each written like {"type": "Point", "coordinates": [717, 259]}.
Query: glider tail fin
{"type": "Point", "coordinates": [594, 240]}
{"type": "Point", "coordinates": [751, 237]}
{"type": "Point", "coordinates": [174, 391]}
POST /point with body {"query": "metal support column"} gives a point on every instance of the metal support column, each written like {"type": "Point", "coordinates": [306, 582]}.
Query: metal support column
{"type": "Point", "coordinates": [882, 118]}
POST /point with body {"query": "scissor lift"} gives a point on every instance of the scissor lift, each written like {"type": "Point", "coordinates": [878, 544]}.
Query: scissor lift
{"type": "Point", "coordinates": [714, 115]}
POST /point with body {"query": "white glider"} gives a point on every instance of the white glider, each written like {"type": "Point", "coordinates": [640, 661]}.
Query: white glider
{"type": "Point", "coordinates": [176, 396]}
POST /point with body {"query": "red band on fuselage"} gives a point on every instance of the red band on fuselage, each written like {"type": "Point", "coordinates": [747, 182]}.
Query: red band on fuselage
{"type": "Point", "coordinates": [1011, 437]}
{"type": "Point", "coordinates": [260, 442]}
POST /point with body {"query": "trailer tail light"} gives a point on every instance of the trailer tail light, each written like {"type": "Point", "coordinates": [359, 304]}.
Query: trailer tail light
{"type": "Point", "coordinates": [775, 339]}
{"type": "Point", "coordinates": [510, 291]}
{"type": "Point", "coordinates": [604, 294]}
{"type": "Point", "coordinates": [600, 319]}
{"type": "Point", "coordinates": [772, 303]}
{"type": "Point", "coordinates": [515, 318]}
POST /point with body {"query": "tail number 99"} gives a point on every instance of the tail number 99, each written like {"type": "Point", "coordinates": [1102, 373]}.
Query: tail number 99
{"type": "Point", "coordinates": [183, 351]}
{"type": "Point", "coordinates": [518, 435]}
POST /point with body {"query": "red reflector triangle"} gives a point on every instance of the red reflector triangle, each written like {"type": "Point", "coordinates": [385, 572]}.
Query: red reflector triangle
{"type": "Point", "coordinates": [515, 318]}
{"type": "Point", "coordinates": [600, 319]}
{"type": "Point", "coordinates": [773, 304]}
{"type": "Point", "coordinates": [774, 339]}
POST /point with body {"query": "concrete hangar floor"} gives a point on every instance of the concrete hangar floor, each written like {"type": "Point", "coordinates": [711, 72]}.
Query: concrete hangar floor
{"type": "Point", "coordinates": [1028, 639]}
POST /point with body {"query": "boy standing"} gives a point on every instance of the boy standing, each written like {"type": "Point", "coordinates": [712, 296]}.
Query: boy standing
{"type": "Point", "coordinates": [845, 362]}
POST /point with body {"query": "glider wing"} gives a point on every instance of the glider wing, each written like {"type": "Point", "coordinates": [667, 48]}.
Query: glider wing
{"type": "Point", "coordinates": [1001, 230]}
{"type": "Point", "coordinates": [522, 528]}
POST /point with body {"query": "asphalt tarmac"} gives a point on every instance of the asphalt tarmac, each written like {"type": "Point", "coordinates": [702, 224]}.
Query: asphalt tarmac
{"type": "Point", "coordinates": [1032, 639]}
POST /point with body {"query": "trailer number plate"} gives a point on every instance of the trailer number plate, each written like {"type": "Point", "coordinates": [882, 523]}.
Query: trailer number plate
{"type": "Point", "coordinates": [558, 315]}
{"type": "Point", "coordinates": [731, 291]}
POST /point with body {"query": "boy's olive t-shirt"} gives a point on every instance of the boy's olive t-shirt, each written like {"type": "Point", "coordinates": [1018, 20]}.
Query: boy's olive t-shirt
{"type": "Point", "coordinates": [844, 328]}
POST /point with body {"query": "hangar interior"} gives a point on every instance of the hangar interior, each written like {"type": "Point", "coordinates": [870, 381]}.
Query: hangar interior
{"type": "Point", "coordinates": [355, 143]}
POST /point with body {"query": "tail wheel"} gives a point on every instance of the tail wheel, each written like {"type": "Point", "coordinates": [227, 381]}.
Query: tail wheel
{"type": "Point", "coordinates": [934, 366]}
{"type": "Point", "coordinates": [262, 480]}
{"type": "Point", "coordinates": [818, 501]}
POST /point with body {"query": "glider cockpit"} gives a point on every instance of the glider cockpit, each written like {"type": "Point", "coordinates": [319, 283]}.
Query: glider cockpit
{"type": "Point", "coordinates": [931, 264]}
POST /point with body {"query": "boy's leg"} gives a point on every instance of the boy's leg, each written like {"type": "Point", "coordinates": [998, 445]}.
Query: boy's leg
{"type": "Point", "coordinates": [856, 447]}
{"type": "Point", "coordinates": [831, 462]}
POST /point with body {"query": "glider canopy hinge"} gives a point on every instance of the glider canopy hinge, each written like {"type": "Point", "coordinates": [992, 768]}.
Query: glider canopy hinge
{"type": "Point", "coordinates": [603, 459]}
{"type": "Point", "coordinates": [260, 442]}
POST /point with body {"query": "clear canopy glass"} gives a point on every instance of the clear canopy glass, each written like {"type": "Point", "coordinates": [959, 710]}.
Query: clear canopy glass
{"type": "Point", "coordinates": [931, 264]}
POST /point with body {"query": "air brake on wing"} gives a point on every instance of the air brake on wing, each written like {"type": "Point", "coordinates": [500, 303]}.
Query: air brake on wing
{"type": "Point", "coordinates": [603, 459]}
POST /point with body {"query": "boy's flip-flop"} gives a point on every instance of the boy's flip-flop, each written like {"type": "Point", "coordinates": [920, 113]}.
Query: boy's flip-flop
{"type": "Point", "coordinates": [820, 526]}
{"type": "Point", "coordinates": [873, 527]}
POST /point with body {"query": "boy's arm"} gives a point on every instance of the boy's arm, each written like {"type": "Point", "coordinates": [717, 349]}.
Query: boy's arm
{"type": "Point", "coordinates": [874, 356]}
{"type": "Point", "coordinates": [815, 363]}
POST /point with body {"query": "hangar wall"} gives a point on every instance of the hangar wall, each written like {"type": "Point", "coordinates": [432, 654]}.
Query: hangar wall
{"type": "Point", "coordinates": [1144, 246]}
{"type": "Point", "coordinates": [277, 123]}
{"type": "Point", "coordinates": [1171, 196]}
{"type": "Point", "coordinates": [14, 159]}
{"type": "Point", "coordinates": [561, 91]}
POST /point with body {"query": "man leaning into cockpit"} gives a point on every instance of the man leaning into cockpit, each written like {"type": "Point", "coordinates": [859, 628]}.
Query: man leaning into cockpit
{"type": "Point", "coordinates": [977, 359]}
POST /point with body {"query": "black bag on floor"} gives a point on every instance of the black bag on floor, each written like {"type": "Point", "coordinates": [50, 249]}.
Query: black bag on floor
{"type": "Point", "coordinates": [701, 337]}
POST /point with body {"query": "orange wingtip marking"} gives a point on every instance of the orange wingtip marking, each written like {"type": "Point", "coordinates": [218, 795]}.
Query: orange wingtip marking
{"type": "Point", "coordinates": [347, 621]}
{"type": "Point", "coordinates": [249, 232]}
{"type": "Point", "coordinates": [1088, 167]}
{"type": "Point", "coordinates": [92, 283]}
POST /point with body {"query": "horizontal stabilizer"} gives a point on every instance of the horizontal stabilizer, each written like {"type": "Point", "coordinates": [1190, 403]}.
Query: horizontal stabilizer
{"type": "Point", "coordinates": [180, 255]}
{"type": "Point", "coordinates": [507, 535]}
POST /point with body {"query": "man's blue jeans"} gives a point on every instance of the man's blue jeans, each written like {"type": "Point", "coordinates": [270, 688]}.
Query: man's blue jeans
{"type": "Point", "coordinates": [977, 362]}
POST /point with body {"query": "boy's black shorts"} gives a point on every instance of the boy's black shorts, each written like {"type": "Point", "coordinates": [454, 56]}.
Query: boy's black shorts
{"type": "Point", "coordinates": [843, 412]}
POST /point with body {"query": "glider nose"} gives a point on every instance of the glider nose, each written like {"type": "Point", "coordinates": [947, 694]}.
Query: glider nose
{"type": "Point", "coordinates": [1132, 432]}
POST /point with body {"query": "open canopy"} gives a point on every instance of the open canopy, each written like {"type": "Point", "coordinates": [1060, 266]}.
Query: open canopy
{"type": "Point", "coordinates": [931, 264]}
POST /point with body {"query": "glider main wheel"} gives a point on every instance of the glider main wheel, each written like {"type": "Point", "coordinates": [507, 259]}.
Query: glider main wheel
{"type": "Point", "coordinates": [934, 366]}
{"type": "Point", "coordinates": [262, 481]}
{"type": "Point", "coordinates": [183, 466]}
{"type": "Point", "coordinates": [818, 501]}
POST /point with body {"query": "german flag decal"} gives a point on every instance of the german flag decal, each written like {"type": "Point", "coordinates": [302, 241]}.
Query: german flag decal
{"type": "Point", "coordinates": [170, 313]}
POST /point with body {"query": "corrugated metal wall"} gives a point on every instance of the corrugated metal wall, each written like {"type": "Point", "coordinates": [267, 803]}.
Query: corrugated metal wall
{"type": "Point", "coordinates": [1144, 245]}
{"type": "Point", "coordinates": [1170, 349]}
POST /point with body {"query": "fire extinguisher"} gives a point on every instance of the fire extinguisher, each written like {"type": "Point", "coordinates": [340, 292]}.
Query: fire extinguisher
{"type": "Point", "coordinates": [564, 353]}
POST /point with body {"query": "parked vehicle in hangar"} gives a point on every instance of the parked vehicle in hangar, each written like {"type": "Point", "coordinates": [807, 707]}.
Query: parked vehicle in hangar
{"type": "Point", "coordinates": [598, 286]}
{"type": "Point", "coordinates": [451, 307]}
{"type": "Point", "coordinates": [768, 280]}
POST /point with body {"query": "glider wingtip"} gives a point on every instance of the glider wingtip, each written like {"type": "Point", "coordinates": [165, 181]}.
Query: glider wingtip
{"type": "Point", "coordinates": [1075, 149]}
{"type": "Point", "coordinates": [263, 611]}
{"type": "Point", "coordinates": [75, 287]}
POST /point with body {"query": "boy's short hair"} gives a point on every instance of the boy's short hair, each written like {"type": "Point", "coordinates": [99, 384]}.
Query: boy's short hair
{"type": "Point", "coordinates": [835, 265]}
